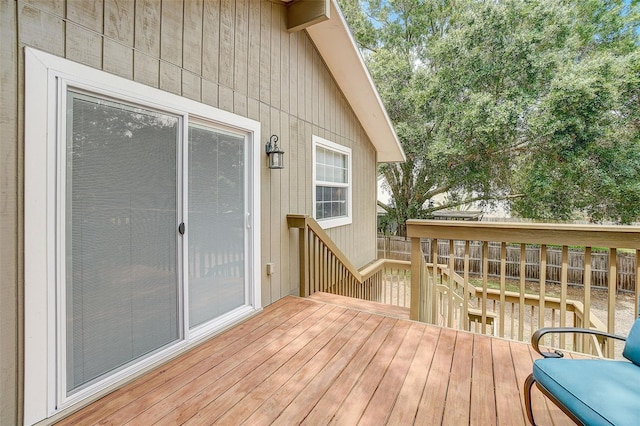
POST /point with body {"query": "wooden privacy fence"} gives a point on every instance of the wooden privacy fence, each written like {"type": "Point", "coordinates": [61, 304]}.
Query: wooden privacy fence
{"type": "Point", "coordinates": [399, 248]}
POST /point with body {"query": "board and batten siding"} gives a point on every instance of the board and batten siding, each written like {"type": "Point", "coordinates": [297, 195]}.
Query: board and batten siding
{"type": "Point", "coordinates": [232, 54]}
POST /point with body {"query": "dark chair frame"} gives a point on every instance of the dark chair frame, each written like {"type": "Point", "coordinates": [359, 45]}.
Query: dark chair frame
{"type": "Point", "coordinates": [535, 343]}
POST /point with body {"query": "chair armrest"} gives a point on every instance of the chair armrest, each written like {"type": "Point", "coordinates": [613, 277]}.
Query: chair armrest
{"type": "Point", "coordinates": [535, 339]}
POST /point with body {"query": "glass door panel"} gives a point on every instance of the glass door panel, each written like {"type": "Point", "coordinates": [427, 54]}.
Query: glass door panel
{"type": "Point", "coordinates": [122, 293]}
{"type": "Point", "coordinates": [216, 229]}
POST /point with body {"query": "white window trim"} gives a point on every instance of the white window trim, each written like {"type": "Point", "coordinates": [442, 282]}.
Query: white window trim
{"type": "Point", "coordinates": [44, 75]}
{"type": "Point", "coordinates": [338, 221]}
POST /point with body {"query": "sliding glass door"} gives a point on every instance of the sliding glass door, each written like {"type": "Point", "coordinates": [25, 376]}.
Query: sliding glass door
{"type": "Point", "coordinates": [122, 282]}
{"type": "Point", "coordinates": [141, 233]}
{"type": "Point", "coordinates": [217, 206]}
{"type": "Point", "coordinates": [123, 235]}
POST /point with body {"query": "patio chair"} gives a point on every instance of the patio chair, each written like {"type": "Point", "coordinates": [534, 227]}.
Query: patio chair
{"type": "Point", "coordinates": [589, 391]}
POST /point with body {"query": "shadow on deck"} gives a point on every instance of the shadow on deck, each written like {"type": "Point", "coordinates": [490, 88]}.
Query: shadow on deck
{"type": "Point", "coordinates": [304, 361]}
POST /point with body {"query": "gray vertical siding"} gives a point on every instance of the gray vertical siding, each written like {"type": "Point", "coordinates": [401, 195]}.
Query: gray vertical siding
{"type": "Point", "coordinates": [10, 218]}
{"type": "Point", "coordinates": [232, 54]}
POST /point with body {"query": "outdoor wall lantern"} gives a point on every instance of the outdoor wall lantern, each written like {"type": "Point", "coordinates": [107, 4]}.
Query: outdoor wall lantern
{"type": "Point", "coordinates": [276, 155]}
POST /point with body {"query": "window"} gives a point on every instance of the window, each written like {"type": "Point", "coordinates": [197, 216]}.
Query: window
{"type": "Point", "coordinates": [141, 228]}
{"type": "Point", "coordinates": [332, 183]}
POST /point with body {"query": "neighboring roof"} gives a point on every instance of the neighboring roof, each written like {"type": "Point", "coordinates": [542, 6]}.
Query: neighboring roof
{"type": "Point", "coordinates": [457, 215]}
{"type": "Point", "coordinates": [337, 47]}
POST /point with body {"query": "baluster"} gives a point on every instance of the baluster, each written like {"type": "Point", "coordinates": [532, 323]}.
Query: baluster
{"type": "Point", "coordinates": [563, 293]}
{"type": "Point", "coordinates": [332, 276]}
{"type": "Point", "coordinates": [531, 322]}
{"type": "Point", "coordinates": [316, 262]}
{"type": "Point", "coordinates": [503, 284]}
{"type": "Point", "coordinates": [451, 284]}
{"type": "Point", "coordinates": [322, 266]}
{"type": "Point", "coordinates": [485, 281]}
{"type": "Point", "coordinates": [577, 341]}
{"type": "Point", "coordinates": [396, 285]}
{"type": "Point", "coordinates": [434, 287]}
{"type": "Point", "coordinates": [385, 289]}
{"type": "Point", "coordinates": [512, 325]}
{"type": "Point", "coordinates": [543, 279]}
{"type": "Point", "coordinates": [587, 298]}
{"type": "Point", "coordinates": [465, 293]}
{"type": "Point", "coordinates": [611, 305]}
{"type": "Point", "coordinates": [523, 277]}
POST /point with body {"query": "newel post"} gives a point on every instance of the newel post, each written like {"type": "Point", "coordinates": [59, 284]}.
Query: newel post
{"type": "Point", "coordinates": [300, 222]}
{"type": "Point", "coordinates": [304, 262]}
{"type": "Point", "coordinates": [416, 266]}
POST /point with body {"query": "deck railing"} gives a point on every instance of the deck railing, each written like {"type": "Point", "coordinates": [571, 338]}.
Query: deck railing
{"type": "Point", "coordinates": [445, 294]}
{"type": "Point", "coordinates": [520, 316]}
{"type": "Point", "coordinates": [399, 248]}
{"type": "Point", "coordinates": [325, 268]}
{"type": "Point", "coordinates": [451, 299]}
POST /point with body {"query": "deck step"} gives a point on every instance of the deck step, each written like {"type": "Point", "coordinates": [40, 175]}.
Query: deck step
{"type": "Point", "coordinates": [362, 305]}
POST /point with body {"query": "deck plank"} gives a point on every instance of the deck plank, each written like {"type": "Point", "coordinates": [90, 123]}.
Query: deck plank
{"type": "Point", "coordinates": [373, 307]}
{"type": "Point", "coordinates": [431, 408]}
{"type": "Point", "coordinates": [337, 327]}
{"type": "Point", "coordinates": [385, 396]}
{"type": "Point", "coordinates": [356, 401]}
{"type": "Point", "coordinates": [243, 410]}
{"type": "Point", "coordinates": [340, 347]}
{"type": "Point", "coordinates": [406, 407]}
{"type": "Point", "coordinates": [459, 393]}
{"type": "Point", "coordinates": [308, 398]}
{"type": "Point", "coordinates": [483, 404]}
{"type": "Point", "coordinates": [331, 401]}
{"type": "Point", "coordinates": [207, 378]}
{"type": "Point", "coordinates": [289, 356]}
{"type": "Point", "coordinates": [307, 361]}
{"type": "Point", "coordinates": [182, 405]}
{"type": "Point", "coordinates": [253, 399]}
{"type": "Point", "coordinates": [225, 345]}
{"type": "Point", "coordinates": [508, 403]}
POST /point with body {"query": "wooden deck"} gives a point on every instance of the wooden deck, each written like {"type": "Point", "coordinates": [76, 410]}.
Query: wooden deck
{"type": "Point", "coordinates": [362, 305]}
{"type": "Point", "coordinates": [303, 361]}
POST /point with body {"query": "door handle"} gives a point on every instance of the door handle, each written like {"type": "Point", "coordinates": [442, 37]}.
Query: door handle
{"type": "Point", "coordinates": [181, 228]}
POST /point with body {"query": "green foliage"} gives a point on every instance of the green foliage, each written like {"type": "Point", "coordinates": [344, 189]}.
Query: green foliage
{"type": "Point", "coordinates": [531, 102]}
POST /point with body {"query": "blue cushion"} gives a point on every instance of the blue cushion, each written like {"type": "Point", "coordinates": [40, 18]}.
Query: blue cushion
{"type": "Point", "coordinates": [632, 346]}
{"type": "Point", "coordinates": [598, 392]}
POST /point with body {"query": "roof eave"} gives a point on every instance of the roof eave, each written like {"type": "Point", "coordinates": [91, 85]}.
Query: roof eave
{"type": "Point", "coordinates": [337, 47]}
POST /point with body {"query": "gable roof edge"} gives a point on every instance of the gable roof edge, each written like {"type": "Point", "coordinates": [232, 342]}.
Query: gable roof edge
{"type": "Point", "coordinates": [338, 49]}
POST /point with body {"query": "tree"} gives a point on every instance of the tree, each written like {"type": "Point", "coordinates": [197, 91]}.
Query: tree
{"type": "Point", "coordinates": [474, 87]}
{"type": "Point", "coordinates": [587, 128]}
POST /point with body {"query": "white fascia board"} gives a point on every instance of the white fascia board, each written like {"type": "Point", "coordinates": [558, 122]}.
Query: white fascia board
{"type": "Point", "coordinates": [339, 51]}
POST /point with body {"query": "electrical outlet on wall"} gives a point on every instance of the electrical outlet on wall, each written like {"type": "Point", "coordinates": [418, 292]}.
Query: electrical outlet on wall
{"type": "Point", "coordinates": [271, 268]}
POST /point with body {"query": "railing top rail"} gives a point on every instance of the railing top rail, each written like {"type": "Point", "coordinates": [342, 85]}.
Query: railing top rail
{"type": "Point", "coordinates": [371, 269]}
{"type": "Point", "coordinates": [304, 221]}
{"type": "Point", "coordinates": [531, 233]}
